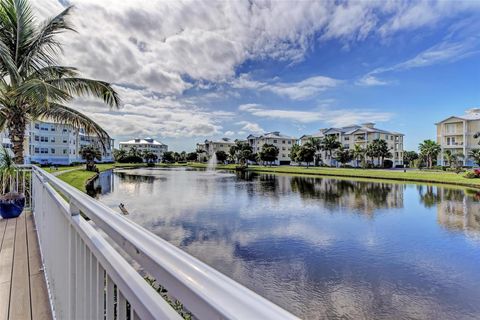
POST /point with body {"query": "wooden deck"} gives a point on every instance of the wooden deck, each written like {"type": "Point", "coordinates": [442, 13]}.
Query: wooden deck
{"type": "Point", "coordinates": [23, 291]}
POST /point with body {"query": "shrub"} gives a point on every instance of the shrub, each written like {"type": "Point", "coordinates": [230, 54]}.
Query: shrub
{"type": "Point", "coordinates": [472, 174]}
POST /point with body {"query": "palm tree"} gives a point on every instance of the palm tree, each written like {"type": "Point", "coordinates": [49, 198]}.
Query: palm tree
{"type": "Point", "coordinates": [358, 153]}
{"type": "Point", "coordinates": [475, 155]}
{"type": "Point", "coordinates": [330, 144]}
{"type": "Point", "coordinates": [430, 150]}
{"type": "Point", "coordinates": [316, 143]}
{"type": "Point", "coordinates": [150, 157]}
{"type": "Point", "coordinates": [32, 84]}
{"type": "Point", "coordinates": [89, 154]}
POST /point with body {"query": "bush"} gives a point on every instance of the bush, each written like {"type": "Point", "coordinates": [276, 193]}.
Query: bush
{"type": "Point", "coordinates": [475, 174]}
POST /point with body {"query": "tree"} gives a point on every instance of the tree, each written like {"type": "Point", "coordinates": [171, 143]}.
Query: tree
{"type": "Point", "coordinates": [358, 153]}
{"type": "Point", "coordinates": [294, 153]}
{"type": "Point", "coordinates": [242, 152]}
{"type": "Point", "coordinates": [330, 144]}
{"type": "Point", "coordinates": [343, 156]}
{"type": "Point", "coordinates": [176, 156]}
{"type": "Point", "coordinates": [409, 157]}
{"type": "Point", "coordinates": [221, 156]}
{"type": "Point", "coordinates": [168, 157]}
{"type": "Point", "coordinates": [33, 85]}
{"type": "Point", "coordinates": [119, 155]}
{"type": "Point", "coordinates": [306, 153]}
{"type": "Point", "coordinates": [429, 149]}
{"type": "Point", "coordinates": [150, 157]}
{"type": "Point", "coordinates": [378, 148]}
{"type": "Point", "coordinates": [269, 153]}
{"type": "Point", "coordinates": [475, 155]}
{"type": "Point", "coordinates": [316, 143]}
{"type": "Point", "coordinates": [192, 156]}
{"type": "Point", "coordinates": [90, 154]}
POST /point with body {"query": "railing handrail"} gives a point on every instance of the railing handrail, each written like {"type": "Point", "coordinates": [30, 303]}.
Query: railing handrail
{"type": "Point", "coordinates": [207, 293]}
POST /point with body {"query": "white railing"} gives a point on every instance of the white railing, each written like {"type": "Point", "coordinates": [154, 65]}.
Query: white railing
{"type": "Point", "coordinates": [89, 279]}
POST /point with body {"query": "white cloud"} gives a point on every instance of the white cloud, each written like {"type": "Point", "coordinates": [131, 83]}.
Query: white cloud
{"type": "Point", "coordinates": [300, 90]}
{"type": "Point", "coordinates": [250, 127]}
{"type": "Point", "coordinates": [370, 80]}
{"type": "Point", "coordinates": [338, 117]}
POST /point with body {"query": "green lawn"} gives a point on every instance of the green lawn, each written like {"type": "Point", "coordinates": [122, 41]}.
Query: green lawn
{"type": "Point", "coordinates": [411, 175]}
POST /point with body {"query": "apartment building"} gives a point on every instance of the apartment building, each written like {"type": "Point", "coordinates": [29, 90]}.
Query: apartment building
{"type": "Point", "coordinates": [53, 143]}
{"type": "Point", "coordinates": [209, 147]}
{"type": "Point", "coordinates": [362, 135]}
{"type": "Point", "coordinates": [456, 133]}
{"type": "Point", "coordinates": [282, 142]}
{"type": "Point", "coordinates": [145, 145]}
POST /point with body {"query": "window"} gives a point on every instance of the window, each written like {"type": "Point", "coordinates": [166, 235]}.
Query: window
{"type": "Point", "coordinates": [37, 138]}
{"type": "Point", "coordinates": [289, 142]}
{"type": "Point", "coordinates": [52, 150]}
{"type": "Point", "coordinates": [44, 139]}
{"type": "Point", "coordinates": [65, 140]}
{"type": "Point", "coordinates": [37, 150]}
{"type": "Point", "coordinates": [283, 155]}
{"type": "Point", "coordinates": [347, 138]}
{"type": "Point", "coordinates": [450, 128]}
{"type": "Point", "coordinates": [37, 126]}
{"type": "Point", "coordinates": [283, 148]}
{"type": "Point", "coordinates": [52, 139]}
{"type": "Point", "coordinates": [274, 141]}
{"type": "Point", "coordinates": [52, 128]}
{"type": "Point", "coordinates": [283, 141]}
{"type": "Point", "coordinates": [64, 151]}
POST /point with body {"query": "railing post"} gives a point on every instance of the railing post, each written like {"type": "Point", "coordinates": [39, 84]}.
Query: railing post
{"type": "Point", "coordinates": [72, 264]}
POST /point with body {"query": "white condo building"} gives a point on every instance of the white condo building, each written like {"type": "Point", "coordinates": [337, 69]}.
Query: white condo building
{"type": "Point", "coordinates": [209, 147]}
{"type": "Point", "coordinates": [362, 135]}
{"type": "Point", "coordinates": [145, 145]}
{"type": "Point", "coordinates": [456, 133]}
{"type": "Point", "coordinates": [282, 142]}
{"type": "Point", "coordinates": [53, 143]}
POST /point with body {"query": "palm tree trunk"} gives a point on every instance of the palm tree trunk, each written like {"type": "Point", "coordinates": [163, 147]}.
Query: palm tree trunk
{"type": "Point", "coordinates": [16, 132]}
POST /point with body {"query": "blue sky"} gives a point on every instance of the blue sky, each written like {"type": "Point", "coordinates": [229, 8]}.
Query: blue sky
{"type": "Point", "coordinates": [188, 71]}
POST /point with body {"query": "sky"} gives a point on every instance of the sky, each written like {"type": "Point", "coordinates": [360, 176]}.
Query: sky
{"type": "Point", "coordinates": [187, 71]}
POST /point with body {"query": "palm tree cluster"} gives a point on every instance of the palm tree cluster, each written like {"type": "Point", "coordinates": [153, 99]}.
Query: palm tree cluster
{"type": "Point", "coordinates": [268, 153]}
{"type": "Point", "coordinates": [241, 152]}
{"type": "Point", "coordinates": [33, 85]}
{"type": "Point", "coordinates": [429, 151]}
{"type": "Point", "coordinates": [90, 154]}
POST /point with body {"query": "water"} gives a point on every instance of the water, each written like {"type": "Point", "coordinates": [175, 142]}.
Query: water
{"type": "Point", "coordinates": [320, 248]}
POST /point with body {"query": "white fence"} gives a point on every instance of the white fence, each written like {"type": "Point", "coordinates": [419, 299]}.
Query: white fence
{"type": "Point", "coordinates": [89, 279]}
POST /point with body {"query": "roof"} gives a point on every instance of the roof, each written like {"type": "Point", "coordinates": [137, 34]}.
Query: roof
{"type": "Point", "coordinates": [471, 114]}
{"type": "Point", "coordinates": [276, 135]}
{"type": "Point", "coordinates": [223, 140]}
{"type": "Point", "coordinates": [351, 129]}
{"type": "Point", "coordinates": [142, 141]}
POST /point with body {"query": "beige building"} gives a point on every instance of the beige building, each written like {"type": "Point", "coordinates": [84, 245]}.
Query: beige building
{"type": "Point", "coordinates": [282, 142]}
{"type": "Point", "coordinates": [210, 147]}
{"type": "Point", "coordinates": [456, 133]}
{"type": "Point", "coordinates": [362, 135]}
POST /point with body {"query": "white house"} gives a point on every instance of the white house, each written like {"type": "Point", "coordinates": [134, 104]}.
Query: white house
{"type": "Point", "coordinates": [145, 145]}
{"type": "Point", "coordinates": [282, 142]}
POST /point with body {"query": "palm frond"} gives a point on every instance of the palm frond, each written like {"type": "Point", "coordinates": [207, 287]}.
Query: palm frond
{"type": "Point", "coordinates": [40, 94]}
{"type": "Point", "coordinates": [43, 47]}
{"type": "Point", "coordinates": [53, 72]}
{"type": "Point", "coordinates": [88, 87]}
{"type": "Point", "coordinates": [66, 115]}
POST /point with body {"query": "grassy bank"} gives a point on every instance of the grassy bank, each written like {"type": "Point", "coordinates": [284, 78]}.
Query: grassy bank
{"type": "Point", "coordinates": [398, 175]}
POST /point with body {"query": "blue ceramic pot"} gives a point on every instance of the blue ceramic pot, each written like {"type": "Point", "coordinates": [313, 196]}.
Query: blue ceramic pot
{"type": "Point", "coordinates": [12, 207]}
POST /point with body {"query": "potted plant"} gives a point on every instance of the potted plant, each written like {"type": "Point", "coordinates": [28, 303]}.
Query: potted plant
{"type": "Point", "coordinates": [12, 202]}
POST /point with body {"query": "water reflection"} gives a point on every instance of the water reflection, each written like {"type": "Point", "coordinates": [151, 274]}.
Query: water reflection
{"type": "Point", "coordinates": [321, 248]}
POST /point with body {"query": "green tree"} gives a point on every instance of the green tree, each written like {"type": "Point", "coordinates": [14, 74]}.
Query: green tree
{"type": "Point", "coordinates": [475, 155]}
{"type": "Point", "coordinates": [150, 157]}
{"type": "Point", "coordinates": [316, 143]}
{"type": "Point", "coordinates": [306, 153]}
{"type": "Point", "coordinates": [343, 156]}
{"type": "Point", "coordinates": [294, 153]}
{"type": "Point", "coordinates": [90, 154]}
{"type": "Point", "coordinates": [33, 84]}
{"type": "Point", "coordinates": [242, 152]}
{"type": "Point", "coordinates": [359, 154]}
{"type": "Point", "coordinates": [409, 157]}
{"type": "Point", "coordinates": [378, 149]}
{"type": "Point", "coordinates": [429, 149]}
{"type": "Point", "coordinates": [168, 157]}
{"type": "Point", "coordinates": [329, 144]}
{"type": "Point", "coordinates": [269, 153]}
{"type": "Point", "coordinates": [222, 156]}
{"type": "Point", "coordinates": [119, 155]}
{"type": "Point", "coordinates": [192, 156]}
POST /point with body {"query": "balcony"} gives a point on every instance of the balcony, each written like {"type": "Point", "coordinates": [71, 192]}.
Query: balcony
{"type": "Point", "coordinates": [87, 251]}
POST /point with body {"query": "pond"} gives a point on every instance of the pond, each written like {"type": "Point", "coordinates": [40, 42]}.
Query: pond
{"type": "Point", "coordinates": [321, 248]}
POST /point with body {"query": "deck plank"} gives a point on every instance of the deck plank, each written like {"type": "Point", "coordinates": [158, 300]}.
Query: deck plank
{"type": "Point", "coordinates": [38, 290]}
{"type": "Point", "coordinates": [6, 260]}
{"type": "Point", "coordinates": [20, 303]}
